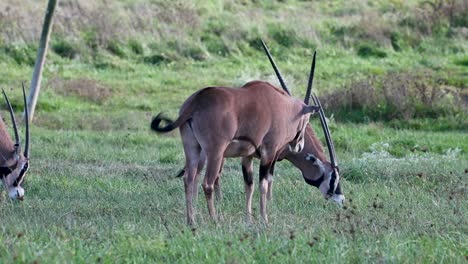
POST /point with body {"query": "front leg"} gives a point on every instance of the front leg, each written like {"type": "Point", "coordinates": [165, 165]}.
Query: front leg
{"type": "Point", "coordinates": [264, 172]}
{"type": "Point", "coordinates": [270, 183]}
{"type": "Point", "coordinates": [247, 172]}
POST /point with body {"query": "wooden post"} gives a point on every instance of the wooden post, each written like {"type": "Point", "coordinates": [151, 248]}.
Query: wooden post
{"type": "Point", "coordinates": [40, 59]}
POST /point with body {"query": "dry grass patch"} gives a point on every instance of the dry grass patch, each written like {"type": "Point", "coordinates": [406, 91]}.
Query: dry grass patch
{"type": "Point", "coordinates": [90, 90]}
{"type": "Point", "coordinates": [396, 96]}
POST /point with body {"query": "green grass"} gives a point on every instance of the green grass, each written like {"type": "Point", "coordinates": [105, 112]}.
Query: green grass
{"type": "Point", "coordinates": [102, 186]}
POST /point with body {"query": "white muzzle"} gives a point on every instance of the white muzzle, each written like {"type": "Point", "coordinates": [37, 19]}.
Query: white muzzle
{"type": "Point", "coordinates": [338, 198]}
{"type": "Point", "coordinates": [16, 193]}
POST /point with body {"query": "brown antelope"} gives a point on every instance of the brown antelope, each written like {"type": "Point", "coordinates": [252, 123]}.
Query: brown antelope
{"type": "Point", "coordinates": [256, 120]}
{"type": "Point", "coordinates": [311, 161]}
{"type": "Point", "coordinates": [13, 163]}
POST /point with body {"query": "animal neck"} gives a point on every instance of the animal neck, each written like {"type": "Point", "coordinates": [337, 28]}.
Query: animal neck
{"type": "Point", "coordinates": [312, 169]}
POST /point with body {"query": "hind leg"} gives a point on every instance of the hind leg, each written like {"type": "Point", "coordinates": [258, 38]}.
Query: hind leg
{"type": "Point", "coordinates": [214, 162]}
{"type": "Point", "coordinates": [192, 155]}
{"type": "Point", "coordinates": [201, 164]}
{"type": "Point", "coordinates": [189, 180]}
{"type": "Point", "coordinates": [217, 186]}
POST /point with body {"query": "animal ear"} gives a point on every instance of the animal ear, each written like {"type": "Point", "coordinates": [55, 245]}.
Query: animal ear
{"type": "Point", "coordinates": [310, 109]}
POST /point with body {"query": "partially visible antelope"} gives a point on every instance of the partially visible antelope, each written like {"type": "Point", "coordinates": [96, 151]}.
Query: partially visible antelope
{"type": "Point", "coordinates": [13, 163]}
{"type": "Point", "coordinates": [256, 120]}
{"type": "Point", "coordinates": [311, 161]}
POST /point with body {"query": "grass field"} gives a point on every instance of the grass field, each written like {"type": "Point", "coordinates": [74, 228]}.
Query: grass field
{"type": "Point", "coordinates": [102, 188]}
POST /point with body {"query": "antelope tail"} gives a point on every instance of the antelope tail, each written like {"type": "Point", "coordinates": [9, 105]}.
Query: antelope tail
{"type": "Point", "coordinates": [181, 173]}
{"type": "Point", "coordinates": [170, 125]}
{"type": "Point", "coordinates": [185, 115]}
{"type": "Point", "coordinates": [157, 126]}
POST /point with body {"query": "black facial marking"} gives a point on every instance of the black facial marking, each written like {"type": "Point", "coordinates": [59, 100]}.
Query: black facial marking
{"type": "Point", "coordinates": [21, 175]}
{"type": "Point", "coordinates": [315, 183]}
{"type": "Point", "coordinates": [332, 183]}
{"type": "Point", "coordinates": [297, 136]}
{"type": "Point", "coordinates": [311, 158]}
{"type": "Point", "coordinates": [338, 190]}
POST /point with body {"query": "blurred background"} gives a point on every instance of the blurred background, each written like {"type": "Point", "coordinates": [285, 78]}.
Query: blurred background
{"type": "Point", "coordinates": [400, 62]}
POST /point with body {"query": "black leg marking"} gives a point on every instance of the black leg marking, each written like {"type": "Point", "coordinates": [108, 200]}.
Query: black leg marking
{"type": "Point", "coordinates": [248, 176]}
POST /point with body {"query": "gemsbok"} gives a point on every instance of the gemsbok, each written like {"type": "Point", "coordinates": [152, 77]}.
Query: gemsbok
{"type": "Point", "coordinates": [311, 161]}
{"type": "Point", "coordinates": [256, 120]}
{"type": "Point", "coordinates": [13, 163]}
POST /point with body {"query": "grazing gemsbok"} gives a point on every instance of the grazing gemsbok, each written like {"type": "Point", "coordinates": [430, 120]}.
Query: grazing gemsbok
{"type": "Point", "coordinates": [255, 120]}
{"type": "Point", "coordinates": [13, 163]}
{"type": "Point", "coordinates": [312, 162]}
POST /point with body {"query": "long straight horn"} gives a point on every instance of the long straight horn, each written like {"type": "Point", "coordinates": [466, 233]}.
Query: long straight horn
{"type": "Point", "coordinates": [278, 74]}
{"type": "Point", "coordinates": [13, 120]}
{"type": "Point", "coordinates": [326, 131]}
{"type": "Point", "coordinates": [26, 121]}
{"type": "Point", "coordinates": [311, 80]}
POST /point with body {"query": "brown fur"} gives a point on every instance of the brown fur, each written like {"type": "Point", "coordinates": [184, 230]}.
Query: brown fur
{"type": "Point", "coordinates": [7, 149]}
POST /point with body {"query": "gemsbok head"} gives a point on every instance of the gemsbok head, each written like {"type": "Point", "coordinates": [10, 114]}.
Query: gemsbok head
{"type": "Point", "coordinates": [256, 120]}
{"type": "Point", "coordinates": [13, 162]}
{"type": "Point", "coordinates": [312, 162]}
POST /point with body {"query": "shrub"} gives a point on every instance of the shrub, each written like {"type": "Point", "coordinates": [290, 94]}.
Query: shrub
{"type": "Point", "coordinates": [462, 61]}
{"type": "Point", "coordinates": [396, 96]}
{"type": "Point", "coordinates": [91, 39]}
{"type": "Point", "coordinates": [215, 45]}
{"type": "Point", "coordinates": [284, 36]}
{"type": "Point", "coordinates": [116, 48]}
{"type": "Point", "coordinates": [21, 54]}
{"type": "Point", "coordinates": [156, 59]}
{"type": "Point", "coordinates": [439, 16]}
{"type": "Point", "coordinates": [64, 49]}
{"type": "Point", "coordinates": [136, 47]}
{"type": "Point", "coordinates": [366, 50]}
{"type": "Point", "coordinates": [194, 52]}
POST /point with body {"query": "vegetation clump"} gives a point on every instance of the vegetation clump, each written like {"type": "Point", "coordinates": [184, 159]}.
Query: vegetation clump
{"type": "Point", "coordinates": [399, 96]}
{"type": "Point", "coordinates": [64, 49]}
